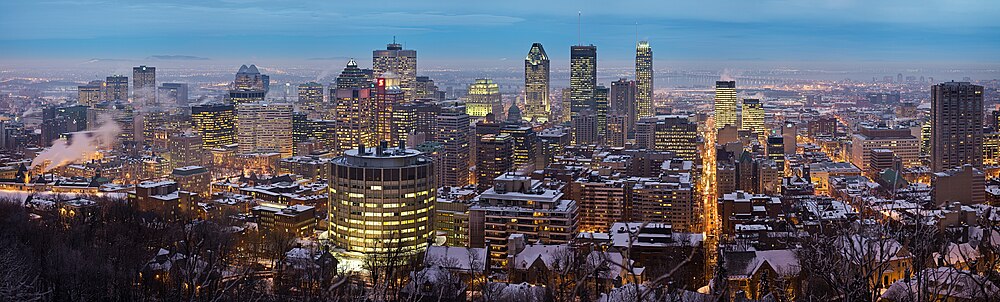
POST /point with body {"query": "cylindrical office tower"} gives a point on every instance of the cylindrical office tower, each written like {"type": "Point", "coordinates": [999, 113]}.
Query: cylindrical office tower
{"type": "Point", "coordinates": [382, 200]}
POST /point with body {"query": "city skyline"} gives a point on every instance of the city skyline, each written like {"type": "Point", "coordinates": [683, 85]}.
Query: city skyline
{"type": "Point", "coordinates": [719, 150]}
{"type": "Point", "coordinates": [807, 31]}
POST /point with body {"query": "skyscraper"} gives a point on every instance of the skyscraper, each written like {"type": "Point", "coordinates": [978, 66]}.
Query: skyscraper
{"type": "Point", "coordinates": [354, 119]}
{"type": "Point", "coordinates": [425, 89]}
{"type": "Point", "coordinates": [582, 78]}
{"type": "Point", "coordinates": [387, 94]}
{"type": "Point", "coordinates": [623, 102]}
{"type": "Point", "coordinates": [753, 118]}
{"type": "Point", "coordinates": [381, 200]}
{"type": "Point", "coordinates": [601, 94]}
{"type": "Point", "coordinates": [536, 84]}
{"type": "Point", "coordinates": [484, 98]}
{"type": "Point", "coordinates": [144, 84]}
{"type": "Point", "coordinates": [249, 78]}
{"type": "Point", "coordinates": [956, 125]}
{"type": "Point", "coordinates": [415, 122]}
{"type": "Point", "coordinates": [264, 128]}
{"type": "Point", "coordinates": [173, 94]}
{"type": "Point", "coordinates": [402, 62]}
{"type": "Point", "coordinates": [725, 104]}
{"type": "Point", "coordinates": [310, 100]}
{"type": "Point", "coordinates": [352, 77]}
{"type": "Point", "coordinates": [494, 156]}
{"type": "Point", "coordinates": [776, 152]}
{"type": "Point", "coordinates": [116, 88]}
{"type": "Point", "coordinates": [644, 79]}
{"type": "Point", "coordinates": [215, 123]}
{"type": "Point", "coordinates": [249, 86]}
{"type": "Point", "coordinates": [90, 94]}
{"type": "Point", "coordinates": [453, 131]}
{"type": "Point", "coordinates": [525, 143]}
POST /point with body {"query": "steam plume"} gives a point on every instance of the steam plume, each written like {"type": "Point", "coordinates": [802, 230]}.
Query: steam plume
{"type": "Point", "coordinates": [728, 75]}
{"type": "Point", "coordinates": [81, 145]}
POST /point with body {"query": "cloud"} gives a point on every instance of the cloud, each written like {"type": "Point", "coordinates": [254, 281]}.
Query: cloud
{"type": "Point", "coordinates": [97, 60]}
{"type": "Point", "coordinates": [176, 57]}
{"type": "Point", "coordinates": [441, 19]}
{"type": "Point", "coordinates": [329, 59]}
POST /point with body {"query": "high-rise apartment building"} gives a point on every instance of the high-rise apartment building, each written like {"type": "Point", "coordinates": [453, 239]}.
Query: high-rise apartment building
{"type": "Point", "coordinates": [667, 200]}
{"type": "Point", "coordinates": [264, 128]}
{"type": "Point", "coordinates": [725, 104]}
{"type": "Point", "coordinates": [453, 131]}
{"type": "Point", "coordinates": [215, 123]}
{"type": "Point", "coordinates": [382, 200]}
{"type": "Point", "coordinates": [601, 201]}
{"type": "Point", "coordinates": [402, 62]}
{"type": "Point", "coordinates": [584, 128]}
{"type": "Point", "coordinates": [644, 79]}
{"type": "Point", "coordinates": [622, 98]}
{"type": "Point", "coordinates": [616, 131]}
{"type": "Point", "coordinates": [186, 150]}
{"type": "Point", "coordinates": [956, 125]}
{"type": "Point", "coordinates": [494, 157]}
{"type": "Point", "coordinates": [674, 133]}
{"type": "Point", "coordinates": [484, 98]}
{"type": "Point", "coordinates": [520, 205]}
{"type": "Point", "coordinates": [536, 84]}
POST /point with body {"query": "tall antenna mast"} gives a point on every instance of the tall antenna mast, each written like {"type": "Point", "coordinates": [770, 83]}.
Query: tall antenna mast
{"type": "Point", "coordinates": [579, 30]}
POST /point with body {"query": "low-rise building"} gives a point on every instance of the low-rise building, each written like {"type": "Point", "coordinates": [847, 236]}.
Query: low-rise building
{"type": "Point", "coordinates": [295, 220]}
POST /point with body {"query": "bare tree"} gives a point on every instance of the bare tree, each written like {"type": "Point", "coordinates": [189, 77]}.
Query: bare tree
{"type": "Point", "coordinates": [389, 270]}
{"type": "Point", "coordinates": [852, 265]}
{"type": "Point", "coordinates": [18, 281]}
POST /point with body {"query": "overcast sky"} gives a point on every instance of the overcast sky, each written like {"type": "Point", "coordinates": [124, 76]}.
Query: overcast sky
{"type": "Point", "coordinates": [707, 30]}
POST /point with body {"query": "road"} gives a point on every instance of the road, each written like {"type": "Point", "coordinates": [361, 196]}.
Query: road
{"type": "Point", "coordinates": [709, 200]}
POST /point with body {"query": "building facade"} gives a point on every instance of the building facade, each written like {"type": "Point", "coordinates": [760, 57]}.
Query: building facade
{"type": "Point", "coordinates": [382, 200]}
{"type": "Point", "coordinates": [956, 125]}
{"type": "Point", "coordinates": [536, 85]}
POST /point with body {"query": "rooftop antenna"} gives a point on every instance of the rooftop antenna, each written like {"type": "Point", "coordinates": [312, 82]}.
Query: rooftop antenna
{"type": "Point", "coordinates": [579, 30]}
